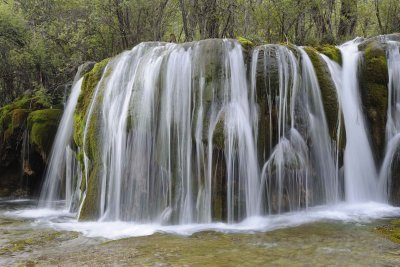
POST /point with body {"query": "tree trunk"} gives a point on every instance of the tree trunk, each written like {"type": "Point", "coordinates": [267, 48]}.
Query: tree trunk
{"type": "Point", "coordinates": [348, 18]}
{"type": "Point", "coordinates": [378, 16]}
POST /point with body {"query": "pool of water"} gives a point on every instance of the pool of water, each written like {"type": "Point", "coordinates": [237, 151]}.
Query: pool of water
{"type": "Point", "coordinates": [324, 236]}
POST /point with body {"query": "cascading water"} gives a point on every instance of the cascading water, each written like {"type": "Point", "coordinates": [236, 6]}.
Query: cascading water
{"type": "Point", "coordinates": [63, 166]}
{"type": "Point", "coordinates": [156, 111]}
{"type": "Point", "coordinates": [177, 134]}
{"type": "Point", "coordinates": [393, 116]}
{"type": "Point", "coordinates": [293, 175]}
{"type": "Point", "coordinates": [360, 175]}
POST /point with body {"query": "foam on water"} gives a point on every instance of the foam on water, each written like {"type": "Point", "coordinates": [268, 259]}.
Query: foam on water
{"type": "Point", "coordinates": [341, 213]}
{"type": "Point", "coordinates": [35, 213]}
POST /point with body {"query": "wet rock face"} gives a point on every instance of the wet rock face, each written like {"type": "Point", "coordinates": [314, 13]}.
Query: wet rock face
{"type": "Point", "coordinates": [374, 94]}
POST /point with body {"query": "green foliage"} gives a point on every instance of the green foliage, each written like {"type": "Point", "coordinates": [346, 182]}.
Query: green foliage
{"type": "Point", "coordinates": [43, 42]}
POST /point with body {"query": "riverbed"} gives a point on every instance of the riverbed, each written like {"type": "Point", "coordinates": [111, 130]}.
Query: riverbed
{"type": "Point", "coordinates": [28, 241]}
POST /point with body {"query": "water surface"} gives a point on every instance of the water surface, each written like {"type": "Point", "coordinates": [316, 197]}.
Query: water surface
{"type": "Point", "coordinates": [334, 236]}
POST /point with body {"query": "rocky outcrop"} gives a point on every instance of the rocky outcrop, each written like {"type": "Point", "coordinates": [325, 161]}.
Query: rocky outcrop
{"type": "Point", "coordinates": [27, 129]}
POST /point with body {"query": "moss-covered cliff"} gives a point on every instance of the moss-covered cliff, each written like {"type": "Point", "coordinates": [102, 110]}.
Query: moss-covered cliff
{"type": "Point", "coordinates": [27, 128]}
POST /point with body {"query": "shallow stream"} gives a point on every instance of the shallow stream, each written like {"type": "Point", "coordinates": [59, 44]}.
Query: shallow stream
{"type": "Point", "coordinates": [325, 236]}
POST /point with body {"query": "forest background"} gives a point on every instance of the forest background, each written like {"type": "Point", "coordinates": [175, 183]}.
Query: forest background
{"type": "Point", "coordinates": [42, 42]}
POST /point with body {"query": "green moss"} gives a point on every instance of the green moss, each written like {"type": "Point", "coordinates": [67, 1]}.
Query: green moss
{"type": "Point", "coordinates": [19, 117]}
{"type": "Point", "coordinates": [246, 43]}
{"type": "Point", "coordinates": [91, 79]}
{"type": "Point", "coordinates": [328, 90]}
{"type": "Point", "coordinates": [332, 52]}
{"type": "Point", "coordinates": [5, 117]}
{"type": "Point", "coordinates": [247, 47]}
{"type": "Point", "coordinates": [42, 125]}
{"type": "Point", "coordinates": [17, 246]}
{"type": "Point", "coordinates": [390, 231]}
{"type": "Point", "coordinates": [374, 94]}
{"type": "Point", "coordinates": [375, 63]}
{"type": "Point", "coordinates": [13, 115]}
{"type": "Point", "coordinates": [89, 84]}
{"type": "Point", "coordinates": [90, 210]}
{"type": "Point", "coordinates": [22, 102]}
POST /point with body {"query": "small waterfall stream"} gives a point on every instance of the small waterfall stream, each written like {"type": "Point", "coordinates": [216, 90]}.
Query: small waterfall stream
{"type": "Point", "coordinates": [61, 158]}
{"type": "Point", "coordinates": [360, 173]}
{"type": "Point", "coordinates": [393, 116]}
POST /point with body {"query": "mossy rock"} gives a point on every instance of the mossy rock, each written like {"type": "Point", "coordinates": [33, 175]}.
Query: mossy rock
{"type": "Point", "coordinates": [374, 94]}
{"type": "Point", "coordinates": [90, 206]}
{"type": "Point", "coordinates": [332, 52]}
{"type": "Point", "coordinates": [245, 42]}
{"type": "Point", "coordinates": [328, 90]}
{"type": "Point", "coordinates": [19, 117]}
{"type": "Point", "coordinates": [43, 125]}
{"type": "Point", "coordinates": [89, 84]}
{"type": "Point", "coordinates": [91, 79]}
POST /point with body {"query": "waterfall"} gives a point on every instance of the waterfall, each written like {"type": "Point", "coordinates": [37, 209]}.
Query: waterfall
{"type": "Point", "coordinates": [196, 133]}
{"type": "Point", "coordinates": [293, 175]}
{"type": "Point", "coordinates": [59, 174]}
{"type": "Point", "coordinates": [393, 116]}
{"type": "Point", "coordinates": [157, 107]}
{"type": "Point", "coordinates": [360, 175]}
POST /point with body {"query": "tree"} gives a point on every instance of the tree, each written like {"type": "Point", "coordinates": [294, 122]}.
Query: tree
{"type": "Point", "coordinates": [348, 18]}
